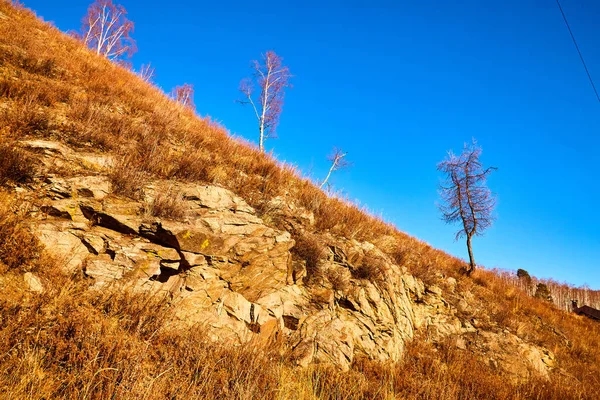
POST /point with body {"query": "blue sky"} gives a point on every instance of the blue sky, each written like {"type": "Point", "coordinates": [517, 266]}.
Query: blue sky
{"type": "Point", "coordinates": [397, 84]}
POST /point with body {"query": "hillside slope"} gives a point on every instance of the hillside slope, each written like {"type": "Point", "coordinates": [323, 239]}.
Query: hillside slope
{"type": "Point", "coordinates": [144, 253]}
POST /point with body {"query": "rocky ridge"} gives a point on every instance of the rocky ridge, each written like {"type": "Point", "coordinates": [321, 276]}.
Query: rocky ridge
{"type": "Point", "coordinates": [223, 267]}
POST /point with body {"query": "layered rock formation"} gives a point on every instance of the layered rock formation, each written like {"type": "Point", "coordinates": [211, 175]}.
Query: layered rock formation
{"type": "Point", "coordinates": [223, 267]}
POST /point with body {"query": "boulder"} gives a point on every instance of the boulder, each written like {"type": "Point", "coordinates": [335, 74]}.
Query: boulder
{"type": "Point", "coordinates": [64, 246]}
{"type": "Point", "coordinates": [33, 283]}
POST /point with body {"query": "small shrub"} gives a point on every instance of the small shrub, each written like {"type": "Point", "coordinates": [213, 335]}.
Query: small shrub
{"type": "Point", "coordinates": [338, 277]}
{"type": "Point", "coordinates": [128, 179]}
{"type": "Point", "coordinates": [309, 249]}
{"type": "Point", "coordinates": [18, 246]}
{"type": "Point", "coordinates": [15, 164]}
{"type": "Point", "coordinates": [169, 204]}
{"type": "Point", "coordinates": [25, 117]}
{"type": "Point", "coordinates": [371, 269]}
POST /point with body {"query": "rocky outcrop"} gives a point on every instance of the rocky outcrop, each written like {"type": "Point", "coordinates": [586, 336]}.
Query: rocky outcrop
{"type": "Point", "coordinates": [223, 267]}
{"type": "Point", "coordinates": [33, 283]}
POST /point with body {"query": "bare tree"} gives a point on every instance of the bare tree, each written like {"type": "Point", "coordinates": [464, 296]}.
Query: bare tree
{"type": "Point", "coordinates": [146, 72]}
{"type": "Point", "coordinates": [106, 30]}
{"type": "Point", "coordinates": [184, 95]}
{"type": "Point", "coordinates": [465, 196]}
{"type": "Point", "coordinates": [337, 162]}
{"type": "Point", "coordinates": [272, 77]}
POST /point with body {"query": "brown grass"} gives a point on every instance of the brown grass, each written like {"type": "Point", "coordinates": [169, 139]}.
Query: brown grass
{"type": "Point", "coordinates": [72, 343]}
{"type": "Point", "coordinates": [309, 248]}
{"type": "Point", "coordinates": [168, 204]}
{"type": "Point", "coordinates": [18, 247]}
{"type": "Point", "coordinates": [128, 179]}
{"type": "Point", "coordinates": [16, 166]}
{"type": "Point", "coordinates": [338, 278]}
{"type": "Point", "coordinates": [372, 269]}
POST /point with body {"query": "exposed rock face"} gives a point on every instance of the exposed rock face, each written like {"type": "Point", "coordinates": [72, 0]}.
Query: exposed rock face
{"type": "Point", "coordinates": [223, 267]}
{"type": "Point", "coordinates": [33, 283]}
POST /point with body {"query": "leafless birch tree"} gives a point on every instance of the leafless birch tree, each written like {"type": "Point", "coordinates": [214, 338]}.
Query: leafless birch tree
{"type": "Point", "coordinates": [146, 72]}
{"type": "Point", "coordinates": [337, 162]}
{"type": "Point", "coordinates": [184, 95]}
{"type": "Point", "coordinates": [465, 196]}
{"type": "Point", "coordinates": [106, 30]}
{"type": "Point", "coordinates": [272, 77]}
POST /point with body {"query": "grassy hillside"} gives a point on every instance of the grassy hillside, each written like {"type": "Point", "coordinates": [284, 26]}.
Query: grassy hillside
{"type": "Point", "coordinates": [69, 342]}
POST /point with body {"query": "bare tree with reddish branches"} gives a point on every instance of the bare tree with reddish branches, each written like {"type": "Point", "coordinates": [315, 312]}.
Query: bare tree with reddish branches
{"type": "Point", "coordinates": [272, 77]}
{"type": "Point", "coordinates": [337, 159]}
{"type": "Point", "coordinates": [465, 196]}
{"type": "Point", "coordinates": [106, 30]}
{"type": "Point", "coordinates": [184, 95]}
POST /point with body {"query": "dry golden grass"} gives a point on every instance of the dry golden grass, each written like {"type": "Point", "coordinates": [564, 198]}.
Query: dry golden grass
{"type": "Point", "coordinates": [168, 204]}
{"type": "Point", "coordinates": [18, 247]}
{"type": "Point", "coordinates": [127, 179]}
{"type": "Point", "coordinates": [16, 166]}
{"type": "Point", "coordinates": [372, 269]}
{"type": "Point", "coordinates": [72, 343]}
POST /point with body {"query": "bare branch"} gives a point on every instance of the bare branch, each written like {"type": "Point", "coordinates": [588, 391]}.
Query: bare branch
{"type": "Point", "coordinates": [337, 158]}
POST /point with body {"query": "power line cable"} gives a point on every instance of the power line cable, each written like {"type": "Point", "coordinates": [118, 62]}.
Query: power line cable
{"type": "Point", "coordinates": [578, 51]}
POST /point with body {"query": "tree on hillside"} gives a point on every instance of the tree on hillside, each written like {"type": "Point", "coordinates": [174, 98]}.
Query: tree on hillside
{"type": "Point", "coordinates": [524, 275]}
{"type": "Point", "coordinates": [271, 77]}
{"type": "Point", "coordinates": [106, 30]}
{"type": "Point", "coordinates": [337, 162]}
{"type": "Point", "coordinates": [184, 95]}
{"type": "Point", "coordinates": [465, 196]}
{"type": "Point", "coordinates": [542, 292]}
{"type": "Point", "coordinates": [146, 72]}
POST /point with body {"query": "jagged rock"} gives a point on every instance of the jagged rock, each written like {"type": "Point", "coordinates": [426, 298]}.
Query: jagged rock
{"type": "Point", "coordinates": [94, 186]}
{"type": "Point", "coordinates": [519, 359]}
{"type": "Point", "coordinates": [206, 279]}
{"type": "Point", "coordinates": [55, 212]}
{"type": "Point", "coordinates": [293, 217]}
{"type": "Point", "coordinates": [463, 306]}
{"type": "Point", "coordinates": [238, 307]}
{"type": "Point", "coordinates": [33, 283]}
{"type": "Point", "coordinates": [47, 147]}
{"type": "Point", "coordinates": [326, 339]}
{"type": "Point", "coordinates": [58, 189]}
{"type": "Point", "coordinates": [164, 253]}
{"type": "Point", "coordinates": [63, 245]}
{"type": "Point", "coordinates": [194, 259]}
{"type": "Point", "coordinates": [114, 222]}
{"type": "Point", "coordinates": [451, 284]}
{"type": "Point", "coordinates": [95, 244]}
{"type": "Point", "coordinates": [104, 268]}
{"type": "Point", "coordinates": [297, 273]}
{"type": "Point", "coordinates": [415, 287]}
{"type": "Point", "coordinates": [95, 161]}
{"type": "Point", "coordinates": [214, 198]}
{"type": "Point", "coordinates": [226, 269]}
{"type": "Point", "coordinates": [56, 154]}
{"type": "Point", "coordinates": [434, 290]}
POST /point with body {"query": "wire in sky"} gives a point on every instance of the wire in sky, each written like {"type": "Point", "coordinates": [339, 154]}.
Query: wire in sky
{"type": "Point", "coordinates": [578, 51]}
